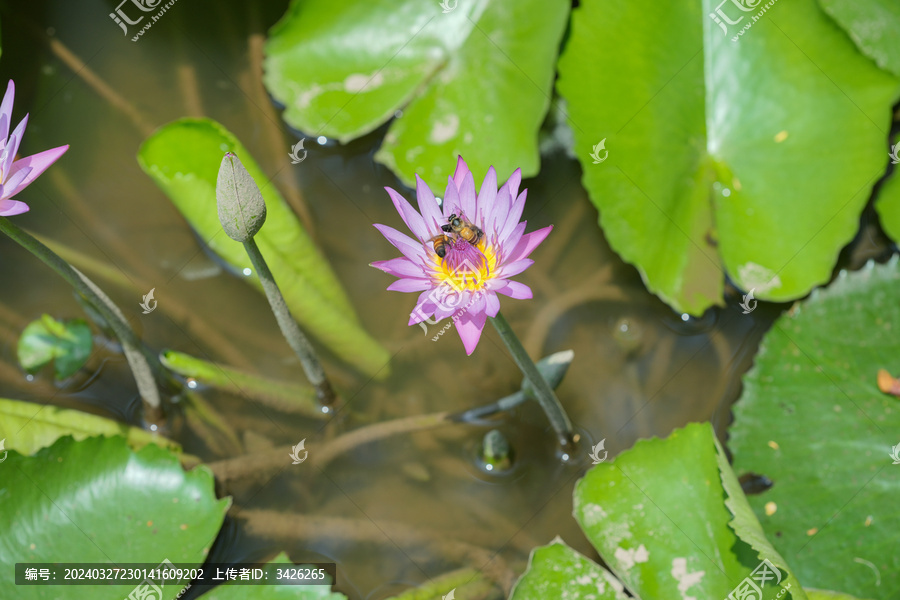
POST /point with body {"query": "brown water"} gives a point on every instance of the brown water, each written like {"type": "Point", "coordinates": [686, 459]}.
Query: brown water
{"type": "Point", "coordinates": [639, 369]}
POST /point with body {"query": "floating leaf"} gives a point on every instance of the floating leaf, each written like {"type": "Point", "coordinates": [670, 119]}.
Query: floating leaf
{"type": "Point", "coordinates": [657, 517]}
{"type": "Point", "coordinates": [813, 420]}
{"type": "Point", "coordinates": [461, 584]}
{"type": "Point", "coordinates": [97, 501]}
{"type": "Point", "coordinates": [814, 594]}
{"type": "Point", "coordinates": [718, 161]}
{"type": "Point", "coordinates": [271, 591]}
{"type": "Point", "coordinates": [558, 571]}
{"type": "Point", "coordinates": [67, 344]}
{"type": "Point", "coordinates": [475, 79]}
{"type": "Point", "coordinates": [183, 158]}
{"type": "Point", "coordinates": [873, 27]}
{"type": "Point", "coordinates": [27, 427]}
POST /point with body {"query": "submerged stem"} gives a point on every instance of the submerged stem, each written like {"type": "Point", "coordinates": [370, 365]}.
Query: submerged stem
{"type": "Point", "coordinates": [289, 328]}
{"type": "Point", "coordinates": [139, 360]}
{"type": "Point", "coordinates": [542, 390]}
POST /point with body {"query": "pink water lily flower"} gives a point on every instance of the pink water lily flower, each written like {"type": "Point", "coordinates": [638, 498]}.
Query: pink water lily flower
{"type": "Point", "coordinates": [16, 175]}
{"type": "Point", "coordinates": [463, 256]}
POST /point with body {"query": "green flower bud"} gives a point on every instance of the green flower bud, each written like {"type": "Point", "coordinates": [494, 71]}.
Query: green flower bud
{"type": "Point", "coordinates": [242, 210]}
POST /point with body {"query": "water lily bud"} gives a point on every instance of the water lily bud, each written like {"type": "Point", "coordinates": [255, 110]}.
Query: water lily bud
{"type": "Point", "coordinates": [242, 210]}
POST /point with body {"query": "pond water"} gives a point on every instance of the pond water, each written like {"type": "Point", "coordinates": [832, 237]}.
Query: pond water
{"type": "Point", "coordinates": [393, 513]}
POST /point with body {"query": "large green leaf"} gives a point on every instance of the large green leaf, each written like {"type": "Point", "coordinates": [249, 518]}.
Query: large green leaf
{"type": "Point", "coordinates": [558, 571]}
{"type": "Point", "coordinates": [27, 427]}
{"type": "Point", "coordinates": [722, 153]}
{"type": "Point", "coordinates": [874, 25]}
{"type": "Point", "coordinates": [237, 591]}
{"type": "Point", "coordinates": [97, 501]}
{"type": "Point", "coordinates": [814, 594]}
{"type": "Point", "coordinates": [475, 80]}
{"type": "Point", "coordinates": [812, 420]}
{"type": "Point", "coordinates": [658, 517]}
{"type": "Point", "coordinates": [745, 524]}
{"type": "Point", "coordinates": [67, 344]}
{"type": "Point", "coordinates": [183, 159]}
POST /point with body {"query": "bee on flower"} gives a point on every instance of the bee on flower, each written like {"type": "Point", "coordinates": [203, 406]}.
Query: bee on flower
{"type": "Point", "coordinates": [465, 252]}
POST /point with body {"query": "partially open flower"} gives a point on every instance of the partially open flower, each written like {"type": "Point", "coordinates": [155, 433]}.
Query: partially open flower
{"type": "Point", "coordinates": [16, 175]}
{"type": "Point", "coordinates": [464, 256]}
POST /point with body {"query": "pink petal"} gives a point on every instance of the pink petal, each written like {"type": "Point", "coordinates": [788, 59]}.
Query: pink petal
{"type": "Point", "coordinates": [410, 285]}
{"type": "Point", "coordinates": [6, 110]}
{"type": "Point", "coordinates": [399, 267]}
{"type": "Point", "coordinates": [496, 214]}
{"type": "Point", "coordinates": [38, 163]}
{"type": "Point", "coordinates": [486, 197]}
{"type": "Point", "coordinates": [428, 206]}
{"type": "Point", "coordinates": [469, 327]}
{"type": "Point", "coordinates": [513, 289]}
{"type": "Point", "coordinates": [410, 216]}
{"type": "Point", "coordinates": [513, 183]}
{"type": "Point", "coordinates": [513, 269]}
{"type": "Point", "coordinates": [528, 243]}
{"type": "Point", "coordinates": [13, 182]}
{"type": "Point", "coordinates": [9, 208]}
{"type": "Point", "coordinates": [509, 243]}
{"type": "Point", "coordinates": [408, 246]}
{"type": "Point", "coordinates": [452, 205]}
{"type": "Point", "coordinates": [14, 140]}
{"type": "Point", "coordinates": [451, 301]}
{"type": "Point", "coordinates": [8, 155]}
{"type": "Point", "coordinates": [467, 197]}
{"type": "Point", "coordinates": [424, 308]}
{"type": "Point", "coordinates": [491, 304]}
{"type": "Point", "coordinates": [461, 170]}
{"type": "Point", "coordinates": [512, 219]}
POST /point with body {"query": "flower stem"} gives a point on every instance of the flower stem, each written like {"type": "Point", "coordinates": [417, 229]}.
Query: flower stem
{"type": "Point", "coordinates": [138, 359]}
{"type": "Point", "coordinates": [544, 393]}
{"type": "Point", "coordinates": [289, 328]}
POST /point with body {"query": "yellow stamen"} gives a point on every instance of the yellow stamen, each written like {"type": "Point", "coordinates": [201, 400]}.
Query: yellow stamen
{"type": "Point", "coordinates": [470, 275]}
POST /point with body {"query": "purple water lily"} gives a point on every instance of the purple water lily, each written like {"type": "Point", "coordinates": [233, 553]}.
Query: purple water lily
{"type": "Point", "coordinates": [16, 175]}
{"type": "Point", "coordinates": [463, 256]}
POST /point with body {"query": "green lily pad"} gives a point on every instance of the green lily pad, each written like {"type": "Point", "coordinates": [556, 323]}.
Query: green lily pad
{"type": "Point", "coordinates": [558, 571]}
{"type": "Point", "coordinates": [474, 78]}
{"type": "Point", "coordinates": [183, 158]}
{"type": "Point", "coordinates": [97, 501]}
{"type": "Point", "coordinates": [813, 594]}
{"type": "Point", "coordinates": [462, 584]}
{"type": "Point", "coordinates": [717, 158]}
{"type": "Point", "coordinates": [873, 27]}
{"type": "Point", "coordinates": [658, 517]}
{"type": "Point", "coordinates": [745, 524]}
{"type": "Point", "coordinates": [28, 427]}
{"type": "Point", "coordinates": [812, 419]}
{"type": "Point", "coordinates": [67, 344]}
{"type": "Point", "coordinates": [236, 591]}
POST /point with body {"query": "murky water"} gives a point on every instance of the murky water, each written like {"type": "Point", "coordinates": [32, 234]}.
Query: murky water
{"type": "Point", "coordinates": [392, 513]}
